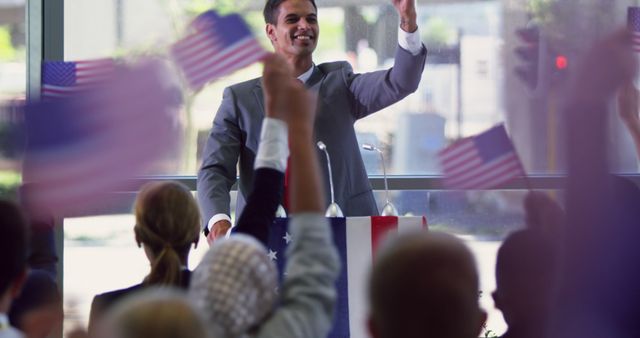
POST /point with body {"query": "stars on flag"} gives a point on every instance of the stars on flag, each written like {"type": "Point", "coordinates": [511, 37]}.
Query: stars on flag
{"type": "Point", "coordinates": [273, 255]}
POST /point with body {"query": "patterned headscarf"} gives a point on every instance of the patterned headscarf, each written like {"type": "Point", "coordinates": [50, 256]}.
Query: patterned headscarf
{"type": "Point", "coordinates": [235, 285]}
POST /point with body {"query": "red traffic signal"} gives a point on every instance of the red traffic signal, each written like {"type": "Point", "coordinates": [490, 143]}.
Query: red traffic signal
{"type": "Point", "coordinates": [562, 62]}
{"type": "Point", "coordinates": [559, 69]}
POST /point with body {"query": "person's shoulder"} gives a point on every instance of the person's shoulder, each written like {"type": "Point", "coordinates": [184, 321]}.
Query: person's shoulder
{"type": "Point", "coordinates": [335, 66]}
{"type": "Point", "coordinates": [112, 296]}
{"type": "Point", "coordinates": [245, 86]}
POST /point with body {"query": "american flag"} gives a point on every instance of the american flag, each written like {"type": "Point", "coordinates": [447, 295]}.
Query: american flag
{"type": "Point", "coordinates": [62, 79]}
{"type": "Point", "coordinates": [357, 239]}
{"type": "Point", "coordinates": [483, 161]}
{"type": "Point", "coordinates": [82, 148]}
{"type": "Point", "coordinates": [217, 46]}
{"type": "Point", "coordinates": [633, 22]}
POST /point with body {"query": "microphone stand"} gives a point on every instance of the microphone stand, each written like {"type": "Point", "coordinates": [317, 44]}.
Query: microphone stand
{"type": "Point", "coordinates": [334, 209]}
{"type": "Point", "coordinates": [389, 209]}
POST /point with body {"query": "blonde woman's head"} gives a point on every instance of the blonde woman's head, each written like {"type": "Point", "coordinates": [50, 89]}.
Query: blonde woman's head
{"type": "Point", "coordinates": [167, 224]}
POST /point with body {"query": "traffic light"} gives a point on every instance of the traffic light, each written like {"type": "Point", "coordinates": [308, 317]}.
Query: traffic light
{"type": "Point", "coordinates": [529, 55]}
{"type": "Point", "coordinates": [560, 68]}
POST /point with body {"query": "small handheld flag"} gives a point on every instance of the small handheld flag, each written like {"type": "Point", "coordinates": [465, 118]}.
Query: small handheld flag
{"type": "Point", "coordinates": [217, 46]}
{"type": "Point", "coordinates": [633, 23]}
{"type": "Point", "coordinates": [62, 79]}
{"type": "Point", "coordinates": [483, 161]}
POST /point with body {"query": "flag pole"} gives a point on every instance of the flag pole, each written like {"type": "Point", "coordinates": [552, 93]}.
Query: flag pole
{"type": "Point", "coordinates": [527, 182]}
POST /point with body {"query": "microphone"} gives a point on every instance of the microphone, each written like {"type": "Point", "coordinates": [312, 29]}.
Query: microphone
{"type": "Point", "coordinates": [389, 209]}
{"type": "Point", "coordinates": [333, 210]}
{"type": "Point", "coordinates": [369, 147]}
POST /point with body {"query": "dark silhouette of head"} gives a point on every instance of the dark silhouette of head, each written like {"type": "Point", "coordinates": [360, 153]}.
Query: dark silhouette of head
{"type": "Point", "coordinates": [38, 310]}
{"type": "Point", "coordinates": [525, 280]}
{"type": "Point", "coordinates": [13, 245]}
{"type": "Point", "coordinates": [424, 284]}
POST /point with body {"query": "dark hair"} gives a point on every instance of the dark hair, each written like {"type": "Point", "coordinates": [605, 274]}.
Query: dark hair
{"type": "Point", "coordinates": [424, 281]}
{"type": "Point", "coordinates": [13, 243]}
{"type": "Point", "coordinates": [525, 256]}
{"type": "Point", "coordinates": [39, 290]}
{"type": "Point", "coordinates": [270, 11]}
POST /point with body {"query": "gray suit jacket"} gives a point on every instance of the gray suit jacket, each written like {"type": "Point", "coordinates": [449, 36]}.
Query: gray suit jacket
{"type": "Point", "coordinates": [343, 98]}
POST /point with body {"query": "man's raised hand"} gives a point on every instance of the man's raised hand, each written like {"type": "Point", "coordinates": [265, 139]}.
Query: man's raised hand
{"type": "Point", "coordinates": [408, 17]}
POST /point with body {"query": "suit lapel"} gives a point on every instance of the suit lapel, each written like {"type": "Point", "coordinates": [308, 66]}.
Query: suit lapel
{"type": "Point", "coordinates": [315, 79]}
{"type": "Point", "coordinates": [314, 83]}
{"type": "Point", "coordinates": [257, 92]}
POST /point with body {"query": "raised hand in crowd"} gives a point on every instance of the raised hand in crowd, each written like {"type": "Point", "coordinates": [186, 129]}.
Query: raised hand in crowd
{"type": "Point", "coordinates": [597, 283]}
{"type": "Point", "coordinates": [543, 213]}
{"type": "Point", "coordinates": [270, 162]}
{"type": "Point", "coordinates": [287, 99]}
{"type": "Point", "coordinates": [234, 285]}
{"type": "Point", "coordinates": [593, 81]}
{"type": "Point", "coordinates": [628, 99]}
{"type": "Point", "coordinates": [277, 78]}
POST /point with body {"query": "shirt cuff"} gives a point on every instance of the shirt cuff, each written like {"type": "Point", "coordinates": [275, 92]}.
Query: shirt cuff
{"type": "Point", "coordinates": [410, 41]}
{"type": "Point", "coordinates": [273, 150]}
{"type": "Point", "coordinates": [316, 224]}
{"type": "Point", "coordinates": [217, 218]}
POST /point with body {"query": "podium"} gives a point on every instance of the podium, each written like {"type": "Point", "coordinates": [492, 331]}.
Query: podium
{"type": "Point", "coordinates": [357, 239]}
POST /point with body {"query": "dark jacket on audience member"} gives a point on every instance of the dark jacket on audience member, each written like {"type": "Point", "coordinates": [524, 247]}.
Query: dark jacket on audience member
{"type": "Point", "coordinates": [262, 204]}
{"type": "Point", "coordinates": [103, 302]}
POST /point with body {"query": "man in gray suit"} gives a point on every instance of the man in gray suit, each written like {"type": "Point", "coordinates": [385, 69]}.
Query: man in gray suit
{"type": "Point", "coordinates": [343, 98]}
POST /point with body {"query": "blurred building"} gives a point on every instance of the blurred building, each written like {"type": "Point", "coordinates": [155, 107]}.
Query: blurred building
{"type": "Point", "coordinates": [416, 147]}
{"type": "Point", "coordinates": [12, 12]}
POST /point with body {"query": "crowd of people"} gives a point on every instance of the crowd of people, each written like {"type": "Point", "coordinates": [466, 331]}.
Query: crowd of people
{"type": "Point", "coordinates": [565, 274]}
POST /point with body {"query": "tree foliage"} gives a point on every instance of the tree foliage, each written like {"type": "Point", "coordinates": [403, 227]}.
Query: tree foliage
{"type": "Point", "coordinates": [7, 51]}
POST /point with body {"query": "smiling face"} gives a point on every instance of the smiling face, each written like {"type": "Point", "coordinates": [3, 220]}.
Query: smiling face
{"type": "Point", "coordinates": [295, 33]}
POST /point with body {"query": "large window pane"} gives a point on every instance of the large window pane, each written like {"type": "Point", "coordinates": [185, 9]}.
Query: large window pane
{"type": "Point", "coordinates": [458, 96]}
{"type": "Point", "coordinates": [13, 79]}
